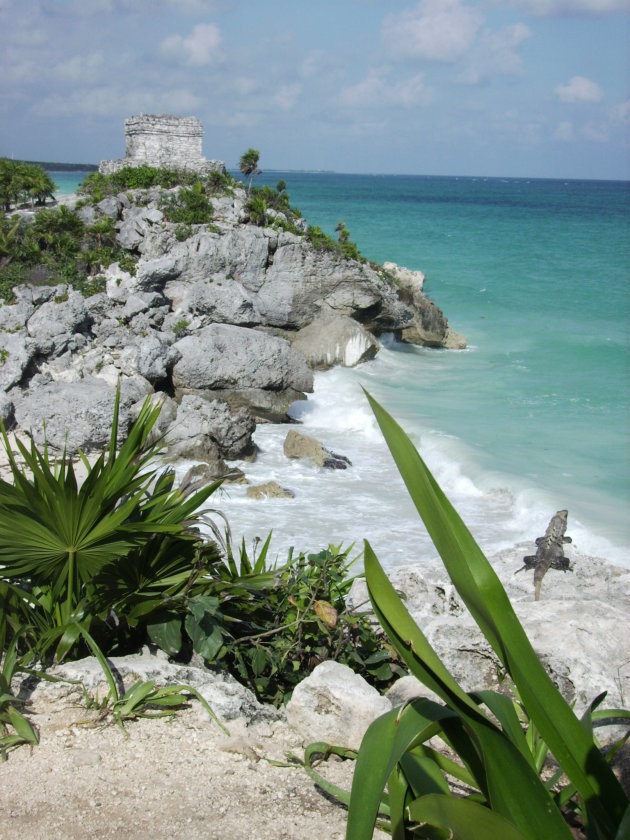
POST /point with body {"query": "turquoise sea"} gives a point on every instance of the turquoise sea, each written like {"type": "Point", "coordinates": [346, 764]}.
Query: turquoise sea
{"type": "Point", "coordinates": [531, 418]}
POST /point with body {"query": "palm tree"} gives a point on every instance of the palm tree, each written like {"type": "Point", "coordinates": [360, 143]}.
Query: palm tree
{"type": "Point", "coordinates": [248, 165]}
{"type": "Point", "coordinates": [342, 230]}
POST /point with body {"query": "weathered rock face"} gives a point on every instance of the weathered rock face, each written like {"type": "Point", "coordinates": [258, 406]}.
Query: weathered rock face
{"type": "Point", "coordinates": [225, 356]}
{"type": "Point", "coordinates": [331, 340]}
{"type": "Point", "coordinates": [77, 415]}
{"type": "Point", "coordinates": [334, 705]}
{"type": "Point", "coordinates": [299, 446]}
{"type": "Point", "coordinates": [269, 490]}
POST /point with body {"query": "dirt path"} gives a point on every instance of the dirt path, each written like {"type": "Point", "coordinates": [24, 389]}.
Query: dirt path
{"type": "Point", "coordinates": [170, 778]}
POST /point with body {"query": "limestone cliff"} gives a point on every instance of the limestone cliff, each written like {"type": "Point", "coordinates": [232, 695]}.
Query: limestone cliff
{"type": "Point", "coordinates": [222, 323]}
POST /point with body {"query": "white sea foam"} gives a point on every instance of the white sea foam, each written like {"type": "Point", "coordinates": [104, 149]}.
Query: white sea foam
{"type": "Point", "coordinates": [369, 500]}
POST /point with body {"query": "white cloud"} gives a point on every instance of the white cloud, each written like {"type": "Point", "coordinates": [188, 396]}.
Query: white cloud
{"type": "Point", "coordinates": [311, 65]}
{"type": "Point", "coordinates": [81, 68]}
{"type": "Point", "coordinates": [570, 7]}
{"type": "Point", "coordinates": [579, 89]}
{"type": "Point", "coordinates": [287, 96]}
{"type": "Point", "coordinates": [199, 48]}
{"type": "Point", "coordinates": [595, 133]}
{"type": "Point", "coordinates": [620, 114]}
{"type": "Point", "coordinates": [114, 101]}
{"type": "Point", "coordinates": [435, 30]}
{"type": "Point", "coordinates": [564, 132]}
{"type": "Point", "coordinates": [375, 91]}
{"type": "Point", "coordinates": [243, 85]}
{"type": "Point", "coordinates": [496, 53]}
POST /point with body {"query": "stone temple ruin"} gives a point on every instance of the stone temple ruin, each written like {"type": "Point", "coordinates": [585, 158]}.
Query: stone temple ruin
{"type": "Point", "coordinates": [163, 141]}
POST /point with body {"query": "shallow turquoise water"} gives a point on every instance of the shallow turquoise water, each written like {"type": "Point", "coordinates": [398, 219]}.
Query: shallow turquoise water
{"type": "Point", "coordinates": [536, 275]}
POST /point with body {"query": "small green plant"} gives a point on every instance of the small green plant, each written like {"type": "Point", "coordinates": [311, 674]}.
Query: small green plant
{"type": "Point", "coordinates": [256, 207]}
{"type": "Point", "coordinates": [15, 728]}
{"type": "Point", "coordinates": [296, 619]}
{"type": "Point", "coordinates": [4, 355]}
{"type": "Point", "coordinates": [189, 206]}
{"type": "Point", "coordinates": [492, 787]}
{"type": "Point", "coordinates": [180, 327]}
{"type": "Point", "coordinates": [322, 242]}
{"type": "Point", "coordinates": [142, 699]}
{"type": "Point", "coordinates": [183, 232]}
{"type": "Point", "coordinates": [128, 263]}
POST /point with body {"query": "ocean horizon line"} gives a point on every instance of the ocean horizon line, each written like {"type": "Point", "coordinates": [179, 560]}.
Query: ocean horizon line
{"type": "Point", "coordinates": [77, 167]}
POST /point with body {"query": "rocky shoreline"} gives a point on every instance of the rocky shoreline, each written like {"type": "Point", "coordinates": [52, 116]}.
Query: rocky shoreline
{"type": "Point", "coordinates": [223, 328]}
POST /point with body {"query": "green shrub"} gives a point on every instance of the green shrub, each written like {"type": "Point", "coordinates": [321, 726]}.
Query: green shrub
{"type": "Point", "coordinates": [23, 182]}
{"type": "Point", "coordinates": [493, 787]}
{"type": "Point", "coordinates": [57, 247]}
{"type": "Point", "coordinates": [180, 327]}
{"type": "Point", "coordinates": [275, 636]}
{"type": "Point", "coordinates": [256, 207]}
{"type": "Point", "coordinates": [189, 206]}
{"type": "Point", "coordinates": [96, 185]}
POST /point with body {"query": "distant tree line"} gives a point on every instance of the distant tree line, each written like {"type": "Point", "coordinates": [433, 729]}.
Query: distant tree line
{"type": "Point", "coordinates": [52, 166]}
{"type": "Point", "coordinates": [23, 182]}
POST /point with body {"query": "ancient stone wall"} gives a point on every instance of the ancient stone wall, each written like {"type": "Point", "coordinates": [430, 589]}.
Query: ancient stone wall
{"type": "Point", "coordinates": [162, 141]}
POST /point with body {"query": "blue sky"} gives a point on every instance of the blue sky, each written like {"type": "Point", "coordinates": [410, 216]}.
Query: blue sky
{"type": "Point", "coordinates": [451, 87]}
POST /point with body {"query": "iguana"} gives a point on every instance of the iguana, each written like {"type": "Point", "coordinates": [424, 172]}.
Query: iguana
{"type": "Point", "coordinates": [550, 551]}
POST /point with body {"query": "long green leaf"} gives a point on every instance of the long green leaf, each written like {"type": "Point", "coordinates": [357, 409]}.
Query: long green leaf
{"type": "Point", "coordinates": [483, 594]}
{"type": "Point", "coordinates": [467, 820]}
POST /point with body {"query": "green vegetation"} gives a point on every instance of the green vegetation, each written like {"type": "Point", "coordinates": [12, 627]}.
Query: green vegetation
{"type": "Point", "coordinates": [121, 561]}
{"type": "Point", "coordinates": [322, 242]}
{"type": "Point", "coordinates": [248, 165]}
{"type": "Point", "coordinates": [188, 206]}
{"type": "Point", "coordinates": [23, 182]}
{"type": "Point", "coordinates": [490, 784]}
{"type": "Point", "coordinates": [180, 327]}
{"type": "Point", "coordinates": [55, 247]}
{"type": "Point", "coordinates": [97, 186]}
{"type": "Point", "coordinates": [53, 166]}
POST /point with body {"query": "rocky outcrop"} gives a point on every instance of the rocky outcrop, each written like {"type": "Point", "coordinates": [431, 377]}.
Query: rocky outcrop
{"type": "Point", "coordinates": [334, 705]}
{"type": "Point", "coordinates": [226, 325]}
{"type": "Point", "coordinates": [269, 490]}
{"type": "Point", "coordinates": [299, 446]}
{"type": "Point", "coordinates": [223, 356]}
{"type": "Point", "coordinates": [331, 340]}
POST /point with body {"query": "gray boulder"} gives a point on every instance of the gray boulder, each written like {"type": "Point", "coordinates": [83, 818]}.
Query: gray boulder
{"type": "Point", "coordinates": [297, 445]}
{"type": "Point", "coordinates": [227, 698]}
{"type": "Point", "coordinates": [136, 224]}
{"type": "Point", "coordinates": [300, 282]}
{"type": "Point", "coordinates": [207, 431]}
{"type": "Point", "coordinates": [53, 324]}
{"type": "Point", "coordinates": [217, 299]}
{"type": "Point", "coordinates": [16, 351]}
{"type": "Point", "coordinates": [110, 207]}
{"type": "Point", "coordinates": [226, 356]}
{"type": "Point", "coordinates": [269, 490]}
{"type": "Point", "coordinates": [152, 357]}
{"type": "Point", "coordinates": [334, 340]}
{"type": "Point", "coordinates": [77, 415]}
{"type": "Point", "coordinates": [13, 317]}
{"type": "Point", "coordinates": [334, 705]}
